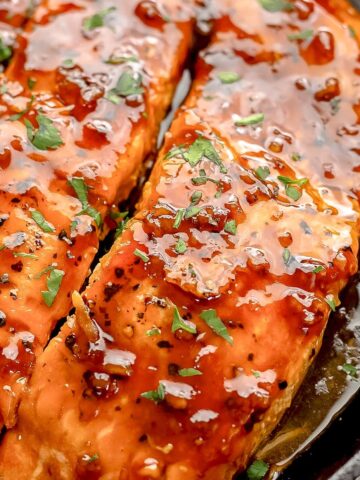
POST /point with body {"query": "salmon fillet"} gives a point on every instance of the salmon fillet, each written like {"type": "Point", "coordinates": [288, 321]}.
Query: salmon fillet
{"type": "Point", "coordinates": [81, 104]}
{"type": "Point", "coordinates": [200, 323]}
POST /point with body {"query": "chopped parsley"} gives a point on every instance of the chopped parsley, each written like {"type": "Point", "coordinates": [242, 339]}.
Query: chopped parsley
{"type": "Point", "coordinates": [81, 190]}
{"type": "Point", "coordinates": [92, 458]}
{"type": "Point", "coordinates": [295, 156]}
{"type": "Point", "coordinates": [25, 255]}
{"type": "Point", "coordinates": [31, 82]}
{"type": "Point", "coordinates": [350, 370]}
{"type": "Point", "coordinates": [291, 181]}
{"type": "Point", "coordinates": [68, 63]}
{"type": "Point", "coordinates": [262, 172]}
{"type": "Point", "coordinates": [42, 272]}
{"type": "Point", "coordinates": [254, 119]}
{"type": "Point", "coordinates": [17, 116]}
{"type": "Point", "coordinates": [179, 217]}
{"type": "Point", "coordinates": [179, 323]}
{"type": "Point", "coordinates": [40, 220]}
{"type": "Point", "coordinates": [286, 256]}
{"type": "Point", "coordinates": [191, 211]}
{"type": "Point", "coordinates": [212, 320]}
{"type": "Point", "coordinates": [276, 5]}
{"type": "Point", "coordinates": [290, 190]}
{"type": "Point", "coordinates": [302, 35]}
{"type": "Point", "coordinates": [230, 227]}
{"type": "Point", "coordinates": [97, 20]}
{"type": "Point", "coordinates": [189, 372]}
{"type": "Point", "coordinates": [318, 269]}
{"type": "Point", "coordinates": [46, 136]}
{"type": "Point", "coordinates": [352, 31]}
{"type": "Point", "coordinates": [180, 246]}
{"type": "Point", "coordinates": [116, 60]}
{"type": "Point", "coordinates": [228, 77]}
{"type": "Point", "coordinates": [196, 197]}
{"type": "Point", "coordinates": [329, 299]}
{"type": "Point", "coordinates": [123, 216]}
{"type": "Point", "coordinates": [142, 255]}
{"type": "Point", "coordinates": [53, 283]}
{"type": "Point", "coordinates": [199, 149]}
{"type": "Point", "coordinates": [257, 470]}
{"type": "Point", "coordinates": [202, 179]}
{"type": "Point", "coordinates": [157, 395]}
{"type": "Point", "coordinates": [153, 331]}
{"type": "Point", "coordinates": [5, 51]}
{"type": "Point", "coordinates": [127, 84]}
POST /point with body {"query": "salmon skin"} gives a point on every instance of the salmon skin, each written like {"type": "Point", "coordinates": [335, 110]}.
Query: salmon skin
{"type": "Point", "coordinates": [199, 325]}
{"type": "Point", "coordinates": [81, 103]}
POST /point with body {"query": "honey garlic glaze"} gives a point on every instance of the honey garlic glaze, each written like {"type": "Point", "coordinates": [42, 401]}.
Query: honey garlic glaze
{"type": "Point", "coordinates": [81, 103]}
{"type": "Point", "coordinates": [199, 325]}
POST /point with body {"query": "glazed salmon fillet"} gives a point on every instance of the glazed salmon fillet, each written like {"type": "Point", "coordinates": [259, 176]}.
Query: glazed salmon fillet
{"type": "Point", "coordinates": [81, 104]}
{"type": "Point", "coordinates": [199, 325]}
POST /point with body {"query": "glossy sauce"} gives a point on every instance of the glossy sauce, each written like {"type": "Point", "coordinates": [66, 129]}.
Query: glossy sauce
{"type": "Point", "coordinates": [61, 71]}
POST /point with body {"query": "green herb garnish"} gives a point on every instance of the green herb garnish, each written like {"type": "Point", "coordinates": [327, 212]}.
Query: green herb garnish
{"type": "Point", "coordinates": [25, 255]}
{"type": "Point", "coordinates": [153, 331]}
{"type": "Point", "coordinates": [228, 77]}
{"type": "Point", "coordinates": [290, 190]}
{"type": "Point", "coordinates": [196, 197]}
{"type": "Point", "coordinates": [92, 458]}
{"type": "Point", "coordinates": [157, 395]}
{"type": "Point", "coordinates": [81, 190]}
{"type": "Point", "coordinates": [318, 269]}
{"type": "Point", "coordinates": [212, 320]}
{"type": "Point", "coordinates": [31, 82]}
{"type": "Point", "coordinates": [350, 370]}
{"type": "Point", "coordinates": [302, 35]}
{"type": "Point", "coordinates": [262, 172]}
{"type": "Point", "coordinates": [352, 31]}
{"type": "Point", "coordinates": [97, 20]}
{"type": "Point", "coordinates": [191, 211]}
{"type": "Point", "coordinates": [276, 5]}
{"type": "Point", "coordinates": [5, 51]}
{"type": "Point", "coordinates": [180, 246]}
{"type": "Point", "coordinates": [250, 120]}
{"type": "Point", "coordinates": [53, 283]}
{"type": "Point", "coordinates": [179, 323]}
{"type": "Point", "coordinates": [230, 227]}
{"type": "Point", "coordinates": [114, 60]}
{"type": "Point", "coordinates": [199, 149]}
{"type": "Point", "coordinates": [40, 220]}
{"type": "Point", "coordinates": [286, 256]}
{"type": "Point", "coordinates": [68, 63]}
{"type": "Point", "coordinates": [257, 470]}
{"type": "Point", "coordinates": [329, 299]}
{"type": "Point", "coordinates": [46, 136]}
{"type": "Point", "coordinates": [128, 84]}
{"type": "Point", "coordinates": [179, 217]}
{"type": "Point", "coordinates": [295, 156]}
{"type": "Point", "coordinates": [42, 272]}
{"type": "Point", "coordinates": [189, 372]}
{"type": "Point", "coordinates": [142, 255]}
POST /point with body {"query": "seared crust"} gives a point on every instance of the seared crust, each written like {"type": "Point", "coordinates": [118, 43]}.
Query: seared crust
{"type": "Point", "coordinates": [247, 230]}
{"type": "Point", "coordinates": [67, 68]}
